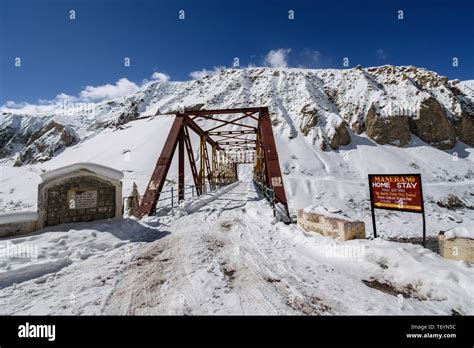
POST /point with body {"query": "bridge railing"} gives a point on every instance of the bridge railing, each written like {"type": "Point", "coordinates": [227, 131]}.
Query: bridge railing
{"type": "Point", "coordinates": [279, 211]}
{"type": "Point", "coordinates": [170, 198]}
{"type": "Point", "coordinates": [267, 193]}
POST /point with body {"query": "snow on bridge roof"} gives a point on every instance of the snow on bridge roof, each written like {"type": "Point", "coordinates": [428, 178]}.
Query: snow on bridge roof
{"type": "Point", "coordinates": [92, 167]}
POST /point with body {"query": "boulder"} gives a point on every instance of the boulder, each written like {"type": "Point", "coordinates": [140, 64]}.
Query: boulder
{"type": "Point", "coordinates": [393, 130]}
{"type": "Point", "coordinates": [432, 126]}
{"type": "Point", "coordinates": [341, 137]}
{"type": "Point", "coordinates": [358, 127]}
{"type": "Point", "coordinates": [465, 128]}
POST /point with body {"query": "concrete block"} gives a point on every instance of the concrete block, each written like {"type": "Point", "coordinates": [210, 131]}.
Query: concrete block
{"type": "Point", "coordinates": [458, 248]}
{"type": "Point", "coordinates": [16, 223]}
{"type": "Point", "coordinates": [328, 225]}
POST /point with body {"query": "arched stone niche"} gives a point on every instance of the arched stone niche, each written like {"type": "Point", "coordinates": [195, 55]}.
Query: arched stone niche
{"type": "Point", "coordinates": [79, 192]}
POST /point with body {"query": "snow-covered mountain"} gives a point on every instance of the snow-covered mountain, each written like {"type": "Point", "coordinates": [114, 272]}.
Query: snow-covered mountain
{"type": "Point", "coordinates": [390, 104]}
{"type": "Point", "coordinates": [332, 128]}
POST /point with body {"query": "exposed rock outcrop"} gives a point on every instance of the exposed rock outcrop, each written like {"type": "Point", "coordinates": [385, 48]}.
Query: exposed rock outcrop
{"type": "Point", "coordinates": [465, 128]}
{"type": "Point", "coordinates": [393, 130]}
{"type": "Point", "coordinates": [129, 115]}
{"type": "Point", "coordinates": [358, 127]}
{"type": "Point", "coordinates": [310, 119]}
{"type": "Point", "coordinates": [6, 135]}
{"type": "Point", "coordinates": [43, 144]}
{"type": "Point", "coordinates": [432, 125]}
{"type": "Point", "coordinates": [341, 137]}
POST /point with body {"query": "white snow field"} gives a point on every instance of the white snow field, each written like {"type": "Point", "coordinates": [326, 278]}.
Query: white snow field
{"type": "Point", "coordinates": [223, 254]}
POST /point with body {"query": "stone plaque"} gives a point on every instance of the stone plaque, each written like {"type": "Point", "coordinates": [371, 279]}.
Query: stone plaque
{"type": "Point", "coordinates": [81, 199]}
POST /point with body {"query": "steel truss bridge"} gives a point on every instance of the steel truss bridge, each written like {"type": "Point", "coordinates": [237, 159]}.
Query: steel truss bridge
{"type": "Point", "coordinates": [244, 136]}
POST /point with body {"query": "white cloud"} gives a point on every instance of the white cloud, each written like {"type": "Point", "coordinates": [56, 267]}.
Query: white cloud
{"type": "Point", "coordinates": [88, 95]}
{"type": "Point", "coordinates": [381, 54]}
{"type": "Point", "coordinates": [66, 98]}
{"type": "Point", "coordinates": [122, 87]}
{"type": "Point", "coordinates": [311, 58]}
{"type": "Point", "coordinates": [277, 58]}
{"type": "Point", "coordinates": [199, 74]}
{"type": "Point", "coordinates": [27, 108]}
{"type": "Point", "coordinates": [159, 76]}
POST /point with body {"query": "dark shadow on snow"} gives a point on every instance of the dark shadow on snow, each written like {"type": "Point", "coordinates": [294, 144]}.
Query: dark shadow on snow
{"type": "Point", "coordinates": [123, 229]}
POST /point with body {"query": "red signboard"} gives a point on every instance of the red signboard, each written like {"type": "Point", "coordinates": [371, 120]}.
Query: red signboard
{"type": "Point", "coordinates": [401, 192]}
{"type": "Point", "coordinates": [396, 192]}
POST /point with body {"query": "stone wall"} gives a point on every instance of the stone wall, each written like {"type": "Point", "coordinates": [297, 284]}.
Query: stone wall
{"type": "Point", "coordinates": [16, 228]}
{"type": "Point", "coordinates": [80, 199]}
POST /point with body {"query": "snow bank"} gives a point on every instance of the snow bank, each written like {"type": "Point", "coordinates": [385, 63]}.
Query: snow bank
{"type": "Point", "coordinates": [31, 271]}
{"type": "Point", "coordinates": [93, 167]}
{"type": "Point", "coordinates": [428, 283]}
{"type": "Point", "coordinates": [459, 232]}
{"type": "Point", "coordinates": [334, 214]}
{"type": "Point", "coordinates": [68, 269]}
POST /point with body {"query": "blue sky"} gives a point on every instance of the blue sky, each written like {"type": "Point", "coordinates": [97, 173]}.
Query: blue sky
{"type": "Point", "coordinates": [59, 55]}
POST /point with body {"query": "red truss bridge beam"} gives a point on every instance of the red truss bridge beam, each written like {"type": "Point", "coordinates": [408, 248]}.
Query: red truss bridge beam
{"type": "Point", "coordinates": [271, 171]}
{"type": "Point", "coordinates": [153, 190]}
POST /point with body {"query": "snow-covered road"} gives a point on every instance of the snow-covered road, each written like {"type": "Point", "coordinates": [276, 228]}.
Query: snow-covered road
{"type": "Point", "coordinates": [210, 263]}
{"type": "Point", "coordinates": [228, 257]}
{"type": "Point", "coordinates": [224, 254]}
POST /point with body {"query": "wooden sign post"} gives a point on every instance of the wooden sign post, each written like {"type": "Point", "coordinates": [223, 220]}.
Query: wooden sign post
{"type": "Point", "coordinates": [402, 192]}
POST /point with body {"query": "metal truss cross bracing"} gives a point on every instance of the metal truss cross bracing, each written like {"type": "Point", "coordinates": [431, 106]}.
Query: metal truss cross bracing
{"type": "Point", "coordinates": [234, 136]}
